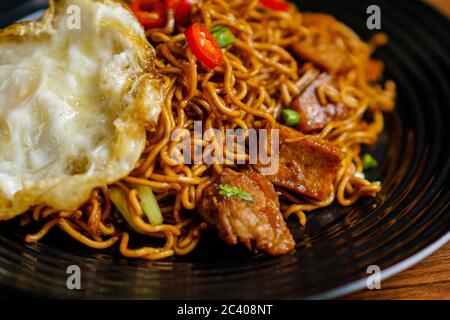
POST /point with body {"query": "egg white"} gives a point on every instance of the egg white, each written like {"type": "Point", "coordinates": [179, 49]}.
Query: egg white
{"type": "Point", "coordinates": [74, 104]}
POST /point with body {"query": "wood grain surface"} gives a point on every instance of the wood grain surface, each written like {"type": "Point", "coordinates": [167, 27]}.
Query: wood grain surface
{"type": "Point", "coordinates": [441, 5]}
{"type": "Point", "coordinates": [430, 279]}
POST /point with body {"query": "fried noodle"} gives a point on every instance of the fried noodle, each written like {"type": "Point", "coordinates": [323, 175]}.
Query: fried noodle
{"type": "Point", "coordinates": [259, 77]}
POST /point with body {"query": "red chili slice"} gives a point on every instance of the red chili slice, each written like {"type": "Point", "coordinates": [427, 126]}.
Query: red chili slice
{"type": "Point", "coordinates": [182, 12]}
{"type": "Point", "coordinates": [276, 5]}
{"type": "Point", "coordinates": [153, 13]}
{"type": "Point", "coordinates": [203, 45]}
{"type": "Point", "coordinates": [170, 4]}
{"type": "Point", "coordinates": [150, 13]}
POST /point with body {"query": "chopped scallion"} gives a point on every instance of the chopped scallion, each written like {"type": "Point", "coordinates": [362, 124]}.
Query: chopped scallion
{"type": "Point", "coordinates": [290, 117]}
{"type": "Point", "coordinates": [227, 190]}
{"type": "Point", "coordinates": [369, 162]}
{"type": "Point", "coordinates": [119, 199]}
{"type": "Point", "coordinates": [150, 205]}
{"type": "Point", "coordinates": [223, 36]}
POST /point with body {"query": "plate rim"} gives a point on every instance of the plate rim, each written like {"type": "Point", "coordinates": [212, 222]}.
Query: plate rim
{"type": "Point", "coordinates": [360, 284]}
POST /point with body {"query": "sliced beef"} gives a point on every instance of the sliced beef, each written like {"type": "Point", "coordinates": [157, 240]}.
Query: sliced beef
{"type": "Point", "coordinates": [257, 224]}
{"type": "Point", "coordinates": [325, 48]}
{"type": "Point", "coordinates": [313, 115]}
{"type": "Point", "coordinates": [307, 166]}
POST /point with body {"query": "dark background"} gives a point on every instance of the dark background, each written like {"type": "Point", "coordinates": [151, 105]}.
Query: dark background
{"type": "Point", "coordinates": [11, 10]}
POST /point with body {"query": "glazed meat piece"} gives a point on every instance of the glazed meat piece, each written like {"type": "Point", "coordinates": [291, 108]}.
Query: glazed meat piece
{"type": "Point", "coordinates": [313, 115]}
{"type": "Point", "coordinates": [325, 47]}
{"type": "Point", "coordinates": [243, 207]}
{"type": "Point", "coordinates": [307, 166]}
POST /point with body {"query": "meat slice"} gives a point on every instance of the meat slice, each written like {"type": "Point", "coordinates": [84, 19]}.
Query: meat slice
{"type": "Point", "coordinates": [325, 47]}
{"type": "Point", "coordinates": [314, 116]}
{"type": "Point", "coordinates": [307, 166]}
{"type": "Point", "coordinates": [257, 224]}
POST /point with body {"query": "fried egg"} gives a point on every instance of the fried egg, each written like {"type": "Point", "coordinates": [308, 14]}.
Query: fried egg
{"type": "Point", "coordinates": [78, 89]}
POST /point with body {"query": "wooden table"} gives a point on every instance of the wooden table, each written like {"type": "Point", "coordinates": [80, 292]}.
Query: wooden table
{"type": "Point", "coordinates": [442, 5]}
{"type": "Point", "coordinates": [430, 279]}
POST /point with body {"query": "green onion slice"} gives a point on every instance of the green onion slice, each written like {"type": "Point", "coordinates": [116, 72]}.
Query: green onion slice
{"type": "Point", "coordinates": [150, 205]}
{"type": "Point", "coordinates": [290, 117]}
{"type": "Point", "coordinates": [227, 190]}
{"type": "Point", "coordinates": [369, 162]}
{"type": "Point", "coordinates": [223, 36]}
{"type": "Point", "coordinates": [119, 199]}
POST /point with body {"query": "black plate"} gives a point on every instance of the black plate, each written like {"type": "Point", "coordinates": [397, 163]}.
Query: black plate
{"type": "Point", "coordinates": [409, 220]}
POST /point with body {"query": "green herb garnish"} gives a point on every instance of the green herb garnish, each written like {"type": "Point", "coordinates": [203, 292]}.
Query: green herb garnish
{"type": "Point", "coordinates": [227, 190]}
{"type": "Point", "coordinates": [223, 36]}
{"type": "Point", "coordinates": [369, 162]}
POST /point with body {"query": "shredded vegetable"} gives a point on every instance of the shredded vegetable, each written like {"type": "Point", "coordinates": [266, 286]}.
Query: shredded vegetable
{"type": "Point", "coordinates": [150, 205]}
